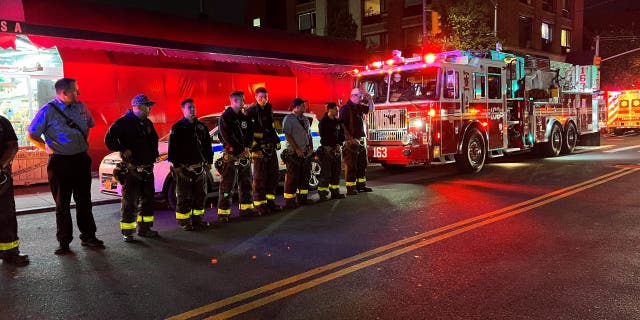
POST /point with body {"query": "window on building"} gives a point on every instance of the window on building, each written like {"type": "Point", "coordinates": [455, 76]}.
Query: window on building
{"type": "Point", "coordinates": [548, 5]}
{"type": "Point", "coordinates": [566, 6]}
{"type": "Point", "coordinates": [307, 22]}
{"type": "Point", "coordinates": [546, 32]}
{"type": "Point", "coordinates": [413, 37]}
{"type": "Point", "coordinates": [256, 22]}
{"type": "Point", "coordinates": [374, 42]}
{"type": "Point", "coordinates": [565, 39]}
{"type": "Point", "coordinates": [372, 8]}
{"type": "Point", "coordinates": [527, 2]}
{"type": "Point", "coordinates": [525, 29]}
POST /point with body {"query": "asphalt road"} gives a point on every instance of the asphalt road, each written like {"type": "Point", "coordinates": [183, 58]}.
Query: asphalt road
{"type": "Point", "coordinates": [527, 238]}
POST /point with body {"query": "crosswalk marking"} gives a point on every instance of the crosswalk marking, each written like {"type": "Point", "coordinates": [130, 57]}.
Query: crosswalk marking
{"type": "Point", "coordinates": [623, 149]}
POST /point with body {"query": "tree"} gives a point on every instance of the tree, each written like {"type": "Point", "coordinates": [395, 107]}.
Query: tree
{"type": "Point", "coordinates": [342, 25]}
{"type": "Point", "coordinates": [466, 25]}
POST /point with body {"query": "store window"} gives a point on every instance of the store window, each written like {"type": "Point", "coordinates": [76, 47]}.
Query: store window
{"type": "Point", "coordinates": [307, 22]}
{"type": "Point", "coordinates": [27, 75]}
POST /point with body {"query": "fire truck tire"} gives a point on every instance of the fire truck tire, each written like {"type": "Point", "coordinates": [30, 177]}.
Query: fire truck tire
{"type": "Point", "coordinates": [553, 147]}
{"type": "Point", "coordinates": [570, 138]}
{"type": "Point", "coordinates": [618, 132]}
{"type": "Point", "coordinates": [474, 152]}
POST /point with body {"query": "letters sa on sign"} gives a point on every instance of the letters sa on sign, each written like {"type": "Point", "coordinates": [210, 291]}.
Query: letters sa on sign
{"type": "Point", "coordinates": [8, 26]}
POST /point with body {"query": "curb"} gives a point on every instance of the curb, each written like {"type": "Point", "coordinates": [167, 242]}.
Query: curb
{"type": "Point", "coordinates": [53, 208]}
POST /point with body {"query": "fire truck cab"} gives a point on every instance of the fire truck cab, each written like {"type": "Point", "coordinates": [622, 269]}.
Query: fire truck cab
{"type": "Point", "coordinates": [463, 107]}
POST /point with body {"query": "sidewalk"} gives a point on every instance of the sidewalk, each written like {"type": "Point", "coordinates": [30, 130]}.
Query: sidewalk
{"type": "Point", "coordinates": [37, 198]}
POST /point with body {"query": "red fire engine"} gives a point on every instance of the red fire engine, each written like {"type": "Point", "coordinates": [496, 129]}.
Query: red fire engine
{"type": "Point", "coordinates": [623, 110]}
{"type": "Point", "coordinates": [463, 107]}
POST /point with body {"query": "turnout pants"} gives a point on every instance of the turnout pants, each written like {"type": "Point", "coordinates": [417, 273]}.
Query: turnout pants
{"type": "Point", "coordinates": [355, 159]}
{"type": "Point", "coordinates": [191, 194]}
{"type": "Point", "coordinates": [296, 180]}
{"type": "Point", "coordinates": [137, 199]}
{"type": "Point", "coordinates": [236, 173]}
{"type": "Point", "coordinates": [8, 224]}
{"type": "Point", "coordinates": [265, 177]}
{"type": "Point", "coordinates": [330, 170]}
{"type": "Point", "coordinates": [71, 175]}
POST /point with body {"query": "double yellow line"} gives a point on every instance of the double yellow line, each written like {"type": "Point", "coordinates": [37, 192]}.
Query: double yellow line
{"type": "Point", "coordinates": [386, 252]}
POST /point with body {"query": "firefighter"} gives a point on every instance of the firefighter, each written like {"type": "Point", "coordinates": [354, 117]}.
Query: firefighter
{"type": "Point", "coordinates": [9, 242]}
{"type": "Point", "coordinates": [263, 154]}
{"type": "Point", "coordinates": [355, 154]}
{"type": "Point", "coordinates": [235, 164]}
{"type": "Point", "coordinates": [297, 155]}
{"type": "Point", "coordinates": [134, 136]}
{"type": "Point", "coordinates": [191, 155]}
{"type": "Point", "coordinates": [329, 154]}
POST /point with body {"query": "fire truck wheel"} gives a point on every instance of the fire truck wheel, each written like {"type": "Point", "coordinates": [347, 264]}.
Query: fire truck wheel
{"type": "Point", "coordinates": [570, 138]}
{"type": "Point", "coordinates": [618, 132]}
{"type": "Point", "coordinates": [553, 147]}
{"type": "Point", "coordinates": [473, 152]}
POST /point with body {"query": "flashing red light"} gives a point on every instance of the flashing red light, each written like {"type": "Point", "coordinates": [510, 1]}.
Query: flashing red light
{"type": "Point", "coordinates": [438, 135]}
{"type": "Point", "coordinates": [356, 70]}
{"type": "Point", "coordinates": [432, 113]}
{"type": "Point", "coordinates": [377, 64]}
{"type": "Point", "coordinates": [430, 58]}
{"type": "Point", "coordinates": [390, 62]}
{"type": "Point", "coordinates": [484, 124]}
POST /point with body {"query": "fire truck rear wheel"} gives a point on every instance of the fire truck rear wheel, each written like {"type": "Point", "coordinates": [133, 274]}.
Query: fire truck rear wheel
{"type": "Point", "coordinates": [570, 138]}
{"type": "Point", "coordinates": [553, 147]}
{"type": "Point", "coordinates": [473, 153]}
{"type": "Point", "coordinates": [618, 132]}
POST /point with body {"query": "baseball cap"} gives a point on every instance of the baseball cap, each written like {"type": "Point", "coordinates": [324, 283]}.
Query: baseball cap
{"type": "Point", "coordinates": [141, 99]}
{"type": "Point", "coordinates": [297, 101]}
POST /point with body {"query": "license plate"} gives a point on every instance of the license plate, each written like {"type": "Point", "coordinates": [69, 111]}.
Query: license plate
{"type": "Point", "coordinates": [380, 152]}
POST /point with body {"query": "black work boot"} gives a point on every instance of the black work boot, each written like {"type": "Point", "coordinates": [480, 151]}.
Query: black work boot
{"type": "Point", "coordinates": [15, 259]}
{"type": "Point", "coordinates": [273, 207]}
{"type": "Point", "coordinates": [361, 187]}
{"type": "Point", "coordinates": [147, 233]}
{"type": "Point", "coordinates": [351, 191]}
{"type": "Point", "coordinates": [324, 195]}
{"type": "Point", "coordinates": [247, 213]}
{"type": "Point", "coordinates": [304, 200]}
{"type": "Point", "coordinates": [335, 194]}
{"type": "Point", "coordinates": [262, 210]}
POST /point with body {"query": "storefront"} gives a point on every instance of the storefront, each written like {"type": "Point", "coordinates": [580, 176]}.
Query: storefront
{"type": "Point", "coordinates": [116, 54]}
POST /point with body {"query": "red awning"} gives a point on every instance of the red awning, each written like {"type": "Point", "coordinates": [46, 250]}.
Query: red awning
{"type": "Point", "coordinates": [7, 41]}
{"type": "Point", "coordinates": [49, 42]}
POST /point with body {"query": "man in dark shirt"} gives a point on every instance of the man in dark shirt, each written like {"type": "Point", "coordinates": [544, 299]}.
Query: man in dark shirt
{"type": "Point", "coordinates": [191, 155]}
{"type": "Point", "coordinates": [331, 139]}
{"type": "Point", "coordinates": [134, 136]}
{"type": "Point", "coordinates": [263, 153]}
{"type": "Point", "coordinates": [355, 154]}
{"type": "Point", "coordinates": [9, 242]}
{"type": "Point", "coordinates": [236, 137]}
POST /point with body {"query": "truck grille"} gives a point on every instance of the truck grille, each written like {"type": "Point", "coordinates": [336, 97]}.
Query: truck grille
{"type": "Point", "coordinates": [387, 125]}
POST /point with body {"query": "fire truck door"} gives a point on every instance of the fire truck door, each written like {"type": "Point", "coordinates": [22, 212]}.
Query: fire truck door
{"type": "Point", "coordinates": [450, 113]}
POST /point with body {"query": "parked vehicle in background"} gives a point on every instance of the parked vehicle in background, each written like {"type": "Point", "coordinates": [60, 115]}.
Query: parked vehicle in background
{"type": "Point", "coordinates": [623, 111]}
{"type": "Point", "coordinates": [164, 183]}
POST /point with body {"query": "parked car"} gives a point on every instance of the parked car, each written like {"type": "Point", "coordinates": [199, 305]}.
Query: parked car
{"type": "Point", "coordinates": [165, 186]}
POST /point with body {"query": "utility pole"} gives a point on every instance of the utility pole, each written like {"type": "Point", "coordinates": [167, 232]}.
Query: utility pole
{"type": "Point", "coordinates": [424, 24]}
{"type": "Point", "coordinates": [495, 18]}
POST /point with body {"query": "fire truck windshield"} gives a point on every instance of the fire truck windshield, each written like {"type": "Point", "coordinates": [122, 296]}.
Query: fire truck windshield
{"type": "Point", "coordinates": [376, 85]}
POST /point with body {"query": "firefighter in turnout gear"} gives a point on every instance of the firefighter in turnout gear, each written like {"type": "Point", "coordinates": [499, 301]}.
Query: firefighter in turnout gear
{"type": "Point", "coordinates": [9, 241]}
{"type": "Point", "coordinates": [235, 164]}
{"type": "Point", "coordinates": [355, 154]}
{"type": "Point", "coordinates": [134, 136]}
{"type": "Point", "coordinates": [297, 156]}
{"type": "Point", "coordinates": [263, 153]}
{"type": "Point", "coordinates": [329, 154]}
{"type": "Point", "coordinates": [191, 155]}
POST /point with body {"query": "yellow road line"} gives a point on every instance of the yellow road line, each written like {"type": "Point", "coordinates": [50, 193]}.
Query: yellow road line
{"type": "Point", "coordinates": [339, 263]}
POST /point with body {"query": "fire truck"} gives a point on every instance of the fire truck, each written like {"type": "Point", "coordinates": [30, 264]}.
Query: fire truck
{"type": "Point", "coordinates": [623, 110]}
{"type": "Point", "coordinates": [464, 107]}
